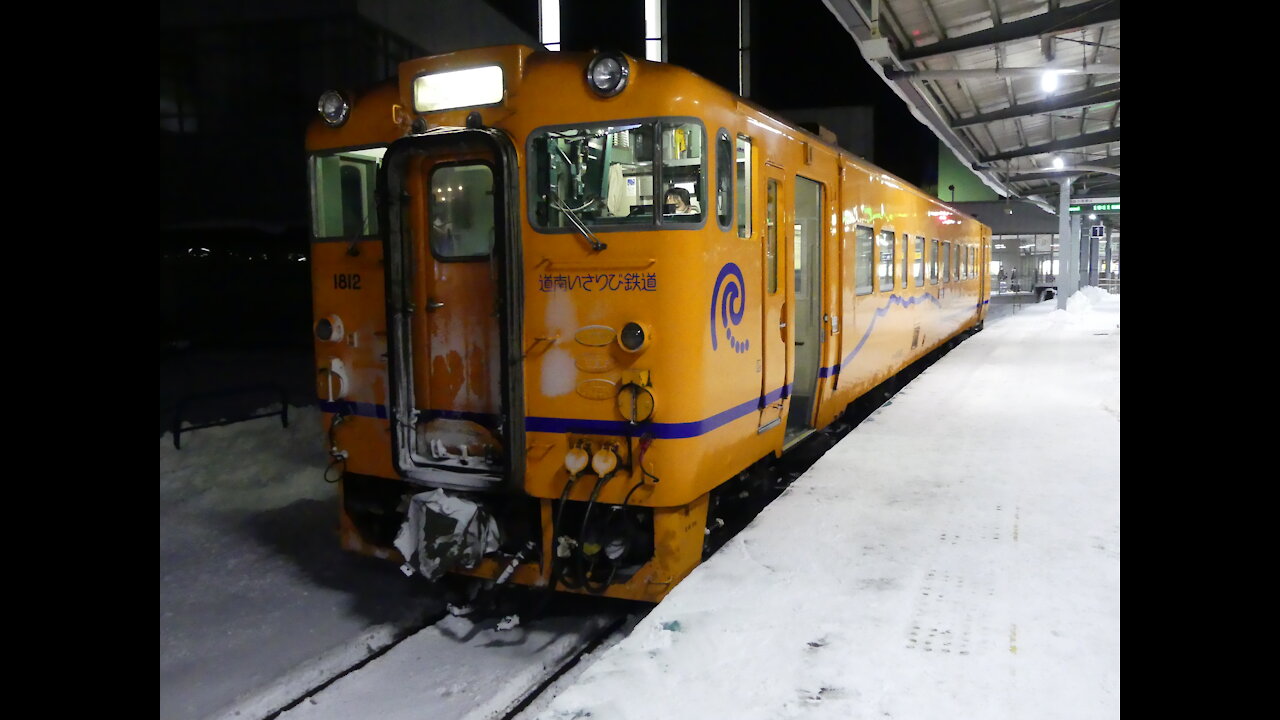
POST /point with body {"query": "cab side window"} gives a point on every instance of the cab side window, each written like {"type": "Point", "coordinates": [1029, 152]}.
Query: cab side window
{"type": "Point", "coordinates": [743, 163]}
{"type": "Point", "coordinates": [724, 180]}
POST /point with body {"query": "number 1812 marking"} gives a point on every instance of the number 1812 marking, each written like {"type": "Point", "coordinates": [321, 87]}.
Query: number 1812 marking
{"type": "Point", "coordinates": [346, 281]}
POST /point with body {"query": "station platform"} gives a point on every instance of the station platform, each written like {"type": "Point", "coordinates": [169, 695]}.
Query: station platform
{"type": "Point", "coordinates": [957, 555]}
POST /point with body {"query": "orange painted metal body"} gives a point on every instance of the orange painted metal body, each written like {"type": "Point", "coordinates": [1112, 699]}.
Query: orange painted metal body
{"type": "Point", "coordinates": [711, 402]}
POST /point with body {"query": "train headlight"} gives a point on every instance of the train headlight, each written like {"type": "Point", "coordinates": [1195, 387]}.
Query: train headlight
{"type": "Point", "coordinates": [634, 337]}
{"type": "Point", "coordinates": [607, 73]}
{"type": "Point", "coordinates": [329, 329]}
{"type": "Point", "coordinates": [334, 108]}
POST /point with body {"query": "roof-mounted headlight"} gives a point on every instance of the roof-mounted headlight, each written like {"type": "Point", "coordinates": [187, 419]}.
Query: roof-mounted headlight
{"type": "Point", "coordinates": [607, 73]}
{"type": "Point", "coordinates": [334, 108]}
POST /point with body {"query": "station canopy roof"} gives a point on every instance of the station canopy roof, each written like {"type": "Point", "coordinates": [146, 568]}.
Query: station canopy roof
{"type": "Point", "coordinates": [973, 72]}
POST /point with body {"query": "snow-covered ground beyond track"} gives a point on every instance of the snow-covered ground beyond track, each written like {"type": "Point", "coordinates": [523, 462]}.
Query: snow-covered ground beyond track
{"type": "Point", "coordinates": [258, 602]}
{"type": "Point", "coordinates": [956, 556]}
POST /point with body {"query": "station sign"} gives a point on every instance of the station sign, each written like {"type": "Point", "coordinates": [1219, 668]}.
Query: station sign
{"type": "Point", "coordinates": [1096, 207]}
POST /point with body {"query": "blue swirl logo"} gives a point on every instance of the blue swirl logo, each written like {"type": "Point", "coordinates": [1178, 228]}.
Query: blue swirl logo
{"type": "Point", "coordinates": [732, 303]}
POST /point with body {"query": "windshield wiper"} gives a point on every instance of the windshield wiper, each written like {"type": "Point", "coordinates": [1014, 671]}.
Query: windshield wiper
{"type": "Point", "coordinates": [555, 202]}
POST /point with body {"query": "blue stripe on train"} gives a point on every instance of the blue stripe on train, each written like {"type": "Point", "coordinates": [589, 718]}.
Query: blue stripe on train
{"type": "Point", "coordinates": [879, 313]}
{"type": "Point", "coordinates": [664, 431]}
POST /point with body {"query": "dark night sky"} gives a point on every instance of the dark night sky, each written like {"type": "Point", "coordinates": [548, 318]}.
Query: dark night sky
{"type": "Point", "coordinates": [802, 58]}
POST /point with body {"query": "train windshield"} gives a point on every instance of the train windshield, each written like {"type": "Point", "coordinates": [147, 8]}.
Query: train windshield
{"type": "Point", "coordinates": [612, 174]}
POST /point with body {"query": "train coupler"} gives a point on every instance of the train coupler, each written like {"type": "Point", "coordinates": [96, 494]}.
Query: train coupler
{"type": "Point", "coordinates": [443, 532]}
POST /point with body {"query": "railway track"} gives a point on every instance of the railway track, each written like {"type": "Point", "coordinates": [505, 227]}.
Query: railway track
{"type": "Point", "coordinates": [458, 668]}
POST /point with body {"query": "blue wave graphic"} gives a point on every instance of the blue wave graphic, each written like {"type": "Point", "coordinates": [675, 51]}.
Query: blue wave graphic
{"type": "Point", "coordinates": [732, 305]}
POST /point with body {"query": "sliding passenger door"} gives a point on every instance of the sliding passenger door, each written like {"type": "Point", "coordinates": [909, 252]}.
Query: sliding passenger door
{"type": "Point", "coordinates": [775, 353]}
{"type": "Point", "coordinates": [806, 238]}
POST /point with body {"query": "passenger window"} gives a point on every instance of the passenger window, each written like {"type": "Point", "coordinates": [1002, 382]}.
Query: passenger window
{"type": "Point", "coordinates": [946, 261]}
{"type": "Point", "coordinates": [885, 268]}
{"type": "Point", "coordinates": [933, 263]}
{"type": "Point", "coordinates": [461, 214]}
{"type": "Point", "coordinates": [771, 236]}
{"type": "Point", "coordinates": [724, 180]}
{"type": "Point", "coordinates": [744, 186]}
{"type": "Point", "coordinates": [918, 259]}
{"type": "Point", "coordinates": [864, 253]}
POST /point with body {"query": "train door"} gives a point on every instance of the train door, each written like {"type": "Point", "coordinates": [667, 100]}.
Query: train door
{"type": "Point", "coordinates": [449, 279]}
{"type": "Point", "coordinates": [805, 236]}
{"type": "Point", "coordinates": [776, 347]}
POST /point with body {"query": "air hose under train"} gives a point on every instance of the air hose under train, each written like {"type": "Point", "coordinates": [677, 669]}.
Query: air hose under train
{"type": "Point", "coordinates": [574, 560]}
{"type": "Point", "coordinates": [580, 551]}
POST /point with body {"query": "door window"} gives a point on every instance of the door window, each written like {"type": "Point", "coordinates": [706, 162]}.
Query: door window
{"type": "Point", "coordinates": [461, 214]}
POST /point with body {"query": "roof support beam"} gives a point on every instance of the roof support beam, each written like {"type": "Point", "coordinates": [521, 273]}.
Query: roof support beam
{"type": "Point", "coordinates": [995, 12]}
{"type": "Point", "coordinates": [1098, 138]}
{"type": "Point", "coordinates": [932, 17]}
{"type": "Point", "coordinates": [1006, 72]}
{"type": "Point", "coordinates": [1104, 184]}
{"type": "Point", "coordinates": [1084, 98]}
{"type": "Point", "coordinates": [1055, 21]}
{"type": "Point", "coordinates": [1057, 173]}
{"type": "Point", "coordinates": [853, 17]}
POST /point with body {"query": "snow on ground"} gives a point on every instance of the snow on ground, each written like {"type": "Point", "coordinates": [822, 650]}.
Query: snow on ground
{"type": "Point", "coordinates": [258, 602]}
{"type": "Point", "coordinates": [956, 556]}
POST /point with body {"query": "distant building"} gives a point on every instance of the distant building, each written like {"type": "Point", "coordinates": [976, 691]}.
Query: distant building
{"type": "Point", "coordinates": [239, 83]}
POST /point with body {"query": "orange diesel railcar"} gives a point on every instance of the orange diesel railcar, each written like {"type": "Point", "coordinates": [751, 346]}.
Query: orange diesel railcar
{"type": "Point", "coordinates": [563, 300]}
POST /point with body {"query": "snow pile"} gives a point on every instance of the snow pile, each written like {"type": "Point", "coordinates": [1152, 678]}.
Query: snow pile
{"type": "Point", "coordinates": [1095, 294]}
{"type": "Point", "coordinates": [1085, 299]}
{"type": "Point", "coordinates": [957, 555]}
